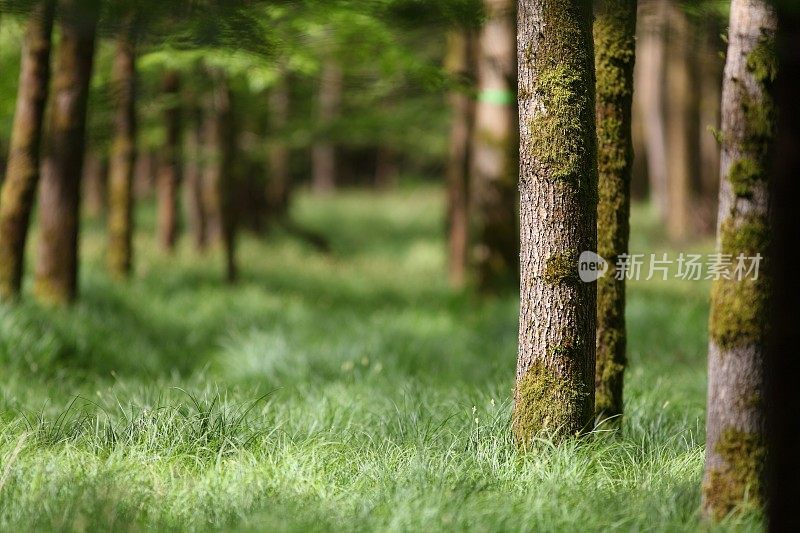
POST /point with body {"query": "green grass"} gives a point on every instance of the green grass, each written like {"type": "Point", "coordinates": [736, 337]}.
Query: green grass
{"type": "Point", "coordinates": [345, 392]}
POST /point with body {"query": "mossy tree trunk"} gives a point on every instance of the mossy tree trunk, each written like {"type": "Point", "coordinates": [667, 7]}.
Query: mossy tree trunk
{"type": "Point", "coordinates": [59, 194]}
{"type": "Point", "coordinates": [323, 156]}
{"type": "Point", "coordinates": [460, 64]}
{"type": "Point", "coordinates": [279, 184]}
{"type": "Point", "coordinates": [193, 176]}
{"type": "Point", "coordinates": [558, 203]}
{"type": "Point", "coordinates": [495, 159]}
{"type": "Point", "coordinates": [783, 367]}
{"type": "Point", "coordinates": [22, 176]}
{"type": "Point", "coordinates": [169, 173]}
{"type": "Point", "coordinates": [123, 155]}
{"type": "Point", "coordinates": [615, 50]}
{"type": "Point", "coordinates": [740, 308]}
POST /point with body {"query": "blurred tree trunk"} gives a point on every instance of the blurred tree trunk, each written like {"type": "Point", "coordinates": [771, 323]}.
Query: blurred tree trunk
{"type": "Point", "coordinates": [783, 366]}
{"type": "Point", "coordinates": [279, 184]}
{"type": "Point", "coordinates": [123, 155]}
{"type": "Point", "coordinates": [649, 82]}
{"type": "Point", "coordinates": [95, 183]}
{"type": "Point", "coordinates": [193, 175]}
{"type": "Point", "coordinates": [558, 192]}
{"type": "Point", "coordinates": [680, 141]}
{"type": "Point", "coordinates": [615, 49]}
{"type": "Point", "coordinates": [460, 63]}
{"type": "Point", "coordinates": [144, 174]}
{"type": "Point", "coordinates": [19, 186]}
{"type": "Point", "coordinates": [735, 447]}
{"type": "Point", "coordinates": [59, 194]}
{"type": "Point", "coordinates": [323, 157]}
{"type": "Point", "coordinates": [387, 168]}
{"type": "Point", "coordinates": [220, 143]}
{"type": "Point", "coordinates": [495, 159]}
{"type": "Point", "coordinates": [169, 164]}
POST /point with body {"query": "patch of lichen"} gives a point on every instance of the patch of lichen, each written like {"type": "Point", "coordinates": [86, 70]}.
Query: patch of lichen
{"type": "Point", "coordinates": [547, 403]}
{"type": "Point", "coordinates": [737, 485]}
{"type": "Point", "coordinates": [564, 143]}
{"type": "Point", "coordinates": [561, 267]}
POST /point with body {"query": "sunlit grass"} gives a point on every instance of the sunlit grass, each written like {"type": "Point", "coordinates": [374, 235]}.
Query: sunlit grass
{"type": "Point", "coordinates": [348, 391]}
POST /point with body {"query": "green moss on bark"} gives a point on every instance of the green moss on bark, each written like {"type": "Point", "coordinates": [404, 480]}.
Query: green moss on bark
{"type": "Point", "coordinates": [737, 484]}
{"type": "Point", "coordinates": [762, 61]}
{"type": "Point", "coordinates": [743, 175]}
{"type": "Point", "coordinates": [561, 268]}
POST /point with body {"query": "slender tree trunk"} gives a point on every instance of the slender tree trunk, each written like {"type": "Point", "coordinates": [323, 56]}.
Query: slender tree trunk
{"type": "Point", "coordinates": [323, 155]}
{"type": "Point", "coordinates": [123, 157]}
{"type": "Point", "coordinates": [95, 184]}
{"type": "Point", "coordinates": [558, 197]}
{"type": "Point", "coordinates": [279, 185]}
{"type": "Point", "coordinates": [193, 174]}
{"type": "Point", "coordinates": [59, 195]}
{"type": "Point", "coordinates": [460, 63]}
{"type": "Point", "coordinates": [615, 46]}
{"type": "Point", "coordinates": [650, 81]}
{"type": "Point", "coordinates": [387, 170]}
{"type": "Point", "coordinates": [740, 307]}
{"type": "Point", "coordinates": [144, 175]}
{"type": "Point", "coordinates": [220, 138]}
{"type": "Point", "coordinates": [169, 165]}
{"type": "Point", "coordinates": [16, 199]}
{"type": "Point", "coordinates": [783, 366]}
{"type": "Point", "coordinates": [495, 151]}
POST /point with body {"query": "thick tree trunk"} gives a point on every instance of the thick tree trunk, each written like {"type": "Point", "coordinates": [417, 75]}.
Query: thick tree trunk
{"type": "Point", "coordinates": [495, 159]}
{"type": "Point", "coordinates": [220, 142]}
{"type": "Point", "coordinates": [279, 185]}
{"type": "Point", "coordinates": [740, 307]}
{"type": "Point", "coordinates": [170, 165]}
{"type": "Point", "coordinates": [16, 199]}
{"type": "Point", "coordinates": [323, 157]}
{"type": "Point", "coordinates": [615, 46]}
{"type": "Point", "coordinates": [783, 366]}
{"type": "Point", "coordinates": [59, 195]}
{"type": "Point", "coordinates": [193, 175]}
{"type": "Point", "coordinates": [123, 158]}
{"type": "Point", "coordinates": [95, 184]}
{"type": "Point", "coordinates": [460, 63]}
{"type": "Point", "coordinates": [558, 204]}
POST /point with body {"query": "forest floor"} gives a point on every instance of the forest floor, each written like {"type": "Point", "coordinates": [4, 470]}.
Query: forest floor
{"type": "Point", "coordinates": [353, 391]}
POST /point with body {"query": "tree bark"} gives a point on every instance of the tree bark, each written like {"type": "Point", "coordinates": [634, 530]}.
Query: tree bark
{"type": "Point", "coordinates": [279, 185]}
{"type": "Point", "coordinates": [460, 63]}
{"type": "Point", "coordinates": [495, 158]}
{"type": "Point", "coordinates": [735, 449]}
{"type": "Point", "coordinates": [123, 157]}
{"type": "Point", "coordinates": [558, 203]}
{"type": "Point", "coordinates": [783, 366]}
{"type": "Point", "coordinates": [169, 164]}
{"type": "Point", "coordinates": [323, 155]}
{"type": "Point", "coordinates": [22, 176]}
{"type": "Point", "coordinates": [59, 195]}
{"type": "Point", "coordinates": [615, 45]}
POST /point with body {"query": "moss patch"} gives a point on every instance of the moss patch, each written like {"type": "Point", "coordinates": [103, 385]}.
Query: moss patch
{"type": "Point", "coordinates": [762, 61]}
{"type": "Point", "coordinates": [743, 174]}
{"type": "Point", "coordinates": [738, 484]}
{"type": "Point", "coordinates": [561, 268]}
{"type": "Point", "coordinates": [737, 312]}
{"type": "Point", "coordinates": [749, 236]}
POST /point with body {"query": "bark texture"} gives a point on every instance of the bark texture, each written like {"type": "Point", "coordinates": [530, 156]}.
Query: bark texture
{"type": "Point", "coordinates": [59, 195]}
{"type": "Point", "coordinates": [460, 64]}
{"type": "Point", "coordinates": [558, 203]}
{"type": "Point", "coordinates": [169, 173]}
{"type": "Point", "coordinates": [323, 157]}
{"type": "Point", "coordinates": [123, 157]}
{"type": "Point", "coordinates": [495, 151]}
{"type": "Point", "coordinates": [615, 46]}
{"type": "Point", "coordinates": [735, 447]}
{"type": "Point", "coordinates": [22, 176]}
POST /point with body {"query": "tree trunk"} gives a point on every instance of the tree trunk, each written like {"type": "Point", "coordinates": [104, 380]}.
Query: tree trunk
{"type": "Point", "coordinates": [495, 158]}
{"type": "Point", "coordinates": [740, 307]}
{"type": "Point", "coordinates": [169, 165]}
{"type": "Point", "coordinates": [220, 138]}
{"type": "Point", "coordinates": [387, 170]}
{"type": "Point", "coordinates": [650, 80]}
{"type": "Point", "coordinates": [783, 366]}
{"type": "Point", "coordinates": [460, 63]}
{"type": "Point", "coordinates": [59, 195]}
{"type": "Point", "coordinates": [558, 203]}
{"type": "Point", "coordinates": [279, 185]}
{"type": "Point", "coordinates": [95, 184]}
{"type": "Point", "coordinates": [144, 175]}
{"type": "Point", "coordinates": [324, 151]}
{"type": "Point", "coordinates": [615, 46]}
{"type": "Point", "coordinates": [123, 157]}
{"type": "Point", "coordinates": [193, 174]}
{"type": "Point", "coordinates": [16, 199]}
